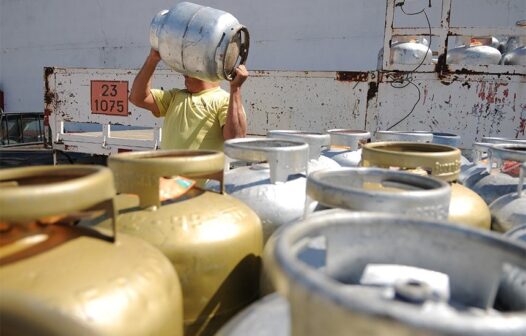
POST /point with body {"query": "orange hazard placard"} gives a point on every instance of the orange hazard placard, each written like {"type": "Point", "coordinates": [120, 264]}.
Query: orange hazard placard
{"type": "Point", "coordinates": [109, 97]}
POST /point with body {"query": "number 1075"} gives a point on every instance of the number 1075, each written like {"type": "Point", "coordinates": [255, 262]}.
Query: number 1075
{"type": "Point", "coordinates": [109, 105]}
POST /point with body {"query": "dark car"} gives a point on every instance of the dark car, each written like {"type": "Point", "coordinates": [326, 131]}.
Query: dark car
{"type": "Point", "coordinates": [22, 143]}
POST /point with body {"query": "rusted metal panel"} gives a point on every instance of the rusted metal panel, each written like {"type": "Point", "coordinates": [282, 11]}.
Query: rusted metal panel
{"type": "Point", "coordinates": [469, 105]}
{"type": "Point", "coordinates": [67, 99]}
{"type": "Point", "coordinates": [472, 106]}
{"type": "Point", "coordinates": [313, 101]}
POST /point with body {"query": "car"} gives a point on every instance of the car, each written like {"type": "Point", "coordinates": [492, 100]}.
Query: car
{"type": "Point", "coordinates": [22, 143]}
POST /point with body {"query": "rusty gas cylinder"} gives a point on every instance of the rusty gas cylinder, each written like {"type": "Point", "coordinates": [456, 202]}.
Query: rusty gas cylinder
{"type": "Point", "coordinates": [213, 240]}
{"type": "Point", "coordinates": [440, 161]}
{"type": "Point", "coordinates": [92, 281]}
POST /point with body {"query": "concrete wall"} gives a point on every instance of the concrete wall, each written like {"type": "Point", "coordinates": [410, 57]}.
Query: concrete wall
{"type": "Point", "coordinates": [299, 35]}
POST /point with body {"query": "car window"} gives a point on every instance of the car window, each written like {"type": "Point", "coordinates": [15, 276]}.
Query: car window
{"type": "Point", "coordinates": [21, 128]}
{"type": "Point", "coordinates": [32, 129]}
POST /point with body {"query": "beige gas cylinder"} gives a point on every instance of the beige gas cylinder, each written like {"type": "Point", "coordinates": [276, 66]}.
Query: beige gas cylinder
{"type": "Point", "coordinates": [92, 281]}
{"type": "Point", "coordinates": [213, 240]}
{"type": "Point", "coordinates": [21, 315]}
{"type": "Point", "coordinates": [440, 161]}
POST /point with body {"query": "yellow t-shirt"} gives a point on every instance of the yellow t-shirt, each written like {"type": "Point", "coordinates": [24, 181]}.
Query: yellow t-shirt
{"type": "Point", "coordinates": [192, 120]}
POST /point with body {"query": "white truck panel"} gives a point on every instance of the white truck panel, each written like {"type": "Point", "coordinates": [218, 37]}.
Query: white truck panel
{"type": "Point", "coordinates": [472, 106]}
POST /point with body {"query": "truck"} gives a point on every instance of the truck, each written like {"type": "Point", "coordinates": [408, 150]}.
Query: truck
{"type": "Point", "coordinates": [339, 87]}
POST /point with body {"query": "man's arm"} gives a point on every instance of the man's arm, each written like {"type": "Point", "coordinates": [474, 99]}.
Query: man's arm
{"type": "Point", "coordinates": [236, 123]}
{"type": "Point", "coordinates": [140, 94]}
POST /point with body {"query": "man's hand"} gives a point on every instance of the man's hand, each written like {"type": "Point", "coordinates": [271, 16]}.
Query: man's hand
{"type": "Point", "coordinates": [154, 56]}
{"type": "Point", "coordinates": [240, 78]}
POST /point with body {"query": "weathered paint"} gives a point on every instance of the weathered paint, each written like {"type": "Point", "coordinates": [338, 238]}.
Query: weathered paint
{"type": "Point", "coordinates": [472, 106]}
{"type": "Point", "coordinates": [469, 105]}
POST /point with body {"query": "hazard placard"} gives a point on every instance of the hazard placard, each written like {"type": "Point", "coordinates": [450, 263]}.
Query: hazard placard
{"type": "Point", "coordinates": [109, 97]}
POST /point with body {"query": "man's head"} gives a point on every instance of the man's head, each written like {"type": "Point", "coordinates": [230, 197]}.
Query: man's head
{"type": "Point", "coordinates": [195, 85]}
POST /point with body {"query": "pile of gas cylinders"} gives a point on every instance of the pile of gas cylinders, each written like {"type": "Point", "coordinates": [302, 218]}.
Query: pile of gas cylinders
{"type": "Point", "coordinates": [470, 50]}
{"type": "Point", "coordinates": [295, 233]}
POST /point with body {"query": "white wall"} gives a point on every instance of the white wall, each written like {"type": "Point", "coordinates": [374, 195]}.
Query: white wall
{"type": "Point", "coordinates": [285, 35]}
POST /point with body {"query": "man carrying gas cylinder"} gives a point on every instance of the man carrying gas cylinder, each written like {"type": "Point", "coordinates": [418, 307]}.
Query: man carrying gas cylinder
{"type": "Point", "coordinates": [202, 116]}
{"type": "Point", "coordinates": [205, 45]}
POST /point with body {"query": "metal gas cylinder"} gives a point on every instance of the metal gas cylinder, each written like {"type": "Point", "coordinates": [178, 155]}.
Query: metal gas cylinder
{"type": "Point", "coordinates": [380, 190]}
{"type": "Point", "coordinates": [448, 139]}
{"type": "Point", "coordinates": [410, 50]}
{"type": "Point", "coordinates": [518, 233]}
{"type": "Point", "coordinates": [357, 189]}
{"type": "Point", "coordinates": [213, 240]}
{"type": "Point", "coordinates": [440, 161]}
{"type": "Point", "coordinates": [440, 138]}
{"type": "Point", "coordinates": [475, 51]}
{"type": "Point", "coordinates": [365, 189]}
{"type": "Point", "coordinates": [516, 48]}
{"type": "Point", "coordinates": [346, 146]}
{"type": "Point", "coordinates": [509, 211]}
{"type": "Point", "coordinates": [476, 168]}
{"type": "Point", "coordinates": [317, 143]}
{"type": "Point", "coordinates": [407, 50]}
{"type": "Point", "coordinates": [491, 183]}
{"type": "Point", "coordinates": [498, 140]}
{"type": "Point", "coordinates": [410, 136]}
{"type": "Point", "coordinates": [269, 316]}
{"type": "Point", "coordinates": [21, 315]}
{"type": "Point", "coordinates": [103, 282]}
{"type": "Point", "coordinates": [388, 274]}
{"type": "Point", "coordinates": [274, 184]}
{"type": "Point", "coordinates": [199, 41]}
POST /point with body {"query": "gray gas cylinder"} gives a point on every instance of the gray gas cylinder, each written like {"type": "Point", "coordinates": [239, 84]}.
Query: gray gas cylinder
{"type": "Point", "coordinates": [491, 183]}
{"type": "Point", "coordinates": [476, 168]}
{"type": "Point", "coordinates": [409, 136]}
{"type": "Point", "coordinates": [380, 190]}
{"type": "Point", "coordinates": [501, 140]}
{"type": "Point", "coordinates": [472, 172]}
{"type": "Point", "coordinates": [516, 48]}
{"type": "Point", "coordinates": [274, 183]}
{"type": "Point", "coordinates": [509, 211]}
{"type": "Point", "coordinates": [270, 316]}
{"type": "Point", "coordinates": [364, 189]}
{"type": "Point", "coordinates": [518, 233]}
{"type": "Point", "coordinates": [199, 41]}
{"type": "Point", "coordinates": [317, 142]}
{"type": "Point", "coordinates": [387, 274]}
{"type": "Point", "coordinates": [346, 146]}
{"type": "Point", "coordinates": [408, 50]}
{"type": "Point", "coordinates": [475, 51]}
